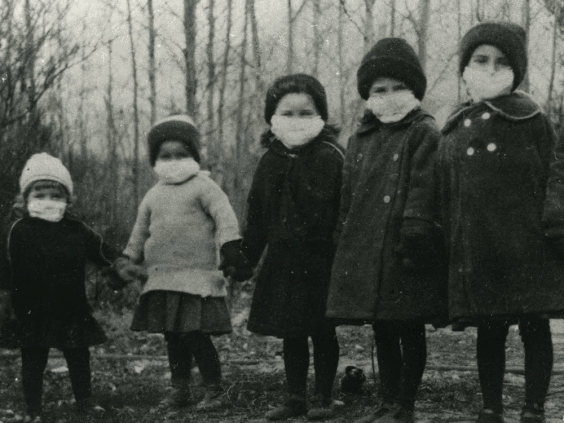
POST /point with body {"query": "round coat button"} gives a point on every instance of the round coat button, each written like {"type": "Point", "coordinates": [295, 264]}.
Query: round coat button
{"type": "Point", "coordinates": [486, 116]}
{"type": "Point", "coordinates": [396, 157]}
{"type": "Point", "coordinates": [359, 157]}
{"type": "Point", "coordinates": [387, 199]}
{"type": "Point", "coordinates": [467, 122]}
{"type": "Point", "coordinates": [491, 147]}
{"type": "Point", "coordinates": [470, 151]}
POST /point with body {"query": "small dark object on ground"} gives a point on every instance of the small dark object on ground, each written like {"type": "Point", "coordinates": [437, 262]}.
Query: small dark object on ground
{"type": "Point", "coordinates": [353, 380]}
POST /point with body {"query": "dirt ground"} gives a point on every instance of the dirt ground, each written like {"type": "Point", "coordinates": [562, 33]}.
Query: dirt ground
{"type": "Point", "coordinates": [130, 377]}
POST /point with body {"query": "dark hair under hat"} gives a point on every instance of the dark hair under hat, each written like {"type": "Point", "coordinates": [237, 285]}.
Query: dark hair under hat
{"type": "Point", "coordinates": [296, 83]}
{"type": "Point", "coordinates": [174, 128]}
{"type": "Point", "coordinates": [391, 58]}
{"type": "Point", "coordinates": [510, 38]}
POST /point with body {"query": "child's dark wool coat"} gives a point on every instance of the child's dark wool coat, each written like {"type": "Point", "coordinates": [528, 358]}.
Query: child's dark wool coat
{"type": "Point", "coordinates": [292, 207]}
{"type": "Point", "coordinates": [494, 167]}
{"type": "Point", "coordinates": [43, 263]}
{"type": "Point", "coordinates": [388, 177]}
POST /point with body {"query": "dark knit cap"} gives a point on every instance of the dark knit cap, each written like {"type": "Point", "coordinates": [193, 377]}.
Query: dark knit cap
{"type": "Point", "coordinates": [391, 58]}
{"type": "Point", "coordinates": [510, 38]}
{"type": "Point", "coordinates": [174, 128]}
{"type": "Point", "coordinates": [295, 83]}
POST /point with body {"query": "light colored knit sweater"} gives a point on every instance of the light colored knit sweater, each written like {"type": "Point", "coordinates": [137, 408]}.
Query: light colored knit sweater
{"type": "Point", "coordinates": [178, 232]}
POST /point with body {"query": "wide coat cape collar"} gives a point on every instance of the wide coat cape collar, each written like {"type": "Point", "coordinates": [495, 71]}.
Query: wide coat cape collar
{"type": "Point", "coordinates": [516, 106]}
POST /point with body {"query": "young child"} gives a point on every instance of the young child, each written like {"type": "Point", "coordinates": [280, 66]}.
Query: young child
{"type": "Point", "coordinates": [387, 265]}
{"type": "Point", "coordinates": [42, 268]}
{"type": "Point", "coordinates": [179, 225]}
{"type": "Point", "coordinates": [499, 172]}
{"type": "Point", "coordinates": [292, 207]}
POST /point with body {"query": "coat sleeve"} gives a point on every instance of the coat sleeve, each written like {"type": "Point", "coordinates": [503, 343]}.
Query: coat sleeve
{"type": "Point", "coordinates": [98, 251]}
{"type": "Point", "coordinates": [551, 153]}
{"type": "Point", "coordinates": [6, 282]}
{"type": "Point", "coordinates": [346, 188]}
{"type": "Point", "coordinates": [139, 234]}
{"type": "Point", "coordinates": [255, 234]}
{"type": "Point", "coordinates": [217, 205]}
{"type": "Point", "coordinates": [421, 207]}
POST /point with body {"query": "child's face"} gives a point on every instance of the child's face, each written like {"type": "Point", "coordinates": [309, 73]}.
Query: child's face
{"type": "Point", "coordinates": [487, 58]}
{"type": "Point", "coordinates": [173, 150]}
{"type": "Point", "coordinates": [47, 190]}
{"type": "Point", "coordinates": [296, 105]}
{"type": "Point", "coordinates": [383, 86]}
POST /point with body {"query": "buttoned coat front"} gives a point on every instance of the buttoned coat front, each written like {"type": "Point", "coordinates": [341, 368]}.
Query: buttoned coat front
{"type": "Point", "coordinates": [388, 177]}
{"type": "Point", "coordinates": [500, 171]}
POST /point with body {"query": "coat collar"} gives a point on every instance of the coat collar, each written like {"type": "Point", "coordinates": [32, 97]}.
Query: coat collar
{"type": "Point", "coordinates": [369, 122]}
{"type": "Point", "coordinates": [276, 146]}
{"type": "Point", "coordinates": [516, 106]}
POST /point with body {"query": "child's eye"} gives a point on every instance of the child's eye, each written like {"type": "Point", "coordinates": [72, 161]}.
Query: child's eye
{"type": "Point", "coordinates": [502, 61]}
{"type": "Point", "coordinates": [378, 90]}
{"type": "Point", "coordinates": [286, 113]}
{"type": "Point", "coordinates": [480, 59]}
{"type": "Point", "coordinates": [307, 113]}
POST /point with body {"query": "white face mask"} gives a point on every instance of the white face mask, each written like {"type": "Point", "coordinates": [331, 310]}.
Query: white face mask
{"type": "Point", "coordinates": [392, 107]}
{"type": "Point", "coordinates": [176, 171]}
{"type": "Point", "coordinates": [485, 85]}
{"type": "Point", "coordinates": [296, 131]}
{"type": "Point", "coordinates": [50, 210]}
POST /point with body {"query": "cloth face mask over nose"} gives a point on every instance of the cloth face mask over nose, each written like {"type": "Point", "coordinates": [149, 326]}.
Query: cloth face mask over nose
{"type": "Point", "coordinates": [392, 107]}
{"type": "Point", "coordinates": [50, 210]}
{"type": "Point", "coordinates": [176, 171]}
{"type": "Point", "coordinates": [486, 85]}
{"type": "Point", "coordinates": [293, 131]}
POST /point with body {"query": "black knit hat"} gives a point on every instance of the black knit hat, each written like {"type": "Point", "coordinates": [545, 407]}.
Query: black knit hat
{"type": "Point", "coordinates": [510, 38]}
{"type": "Point", "coordinates": [295, 83]}
{"type": "Point", "coordinates": [391, 58]}
{"type": "Point", "coordinates": [174, 128]}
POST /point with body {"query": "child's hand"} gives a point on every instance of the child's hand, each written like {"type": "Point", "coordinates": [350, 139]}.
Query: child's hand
{"type": "Point", "coordinates": [233, 262]}
{"type": "Point", "coordinates": [238, 275]}
{"type": "Point", "coordinates": [128, 271]}
{"type": "Point", "coordinates": [6, 310]}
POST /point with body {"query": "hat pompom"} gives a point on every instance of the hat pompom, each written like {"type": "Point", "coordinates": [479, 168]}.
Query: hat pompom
{"type": "Point", "coordinates": [174, 128]}
{"type": "Point", "coordinates": [43, 166]}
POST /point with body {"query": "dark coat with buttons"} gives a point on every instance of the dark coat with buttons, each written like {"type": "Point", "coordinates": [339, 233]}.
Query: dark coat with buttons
{"type": "Point", "coordinates": [499, 173]}
{"type": "Point", "coordinates": [388, 177]}
{"type": "Point", "coordinates": [292, 210]}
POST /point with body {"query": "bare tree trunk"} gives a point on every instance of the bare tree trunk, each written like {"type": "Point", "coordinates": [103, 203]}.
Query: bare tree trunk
{"type": "Point", "coordinates": [135, 167]}
{"type": "Point", "coordinates": [240, 133]}
{"type": "Point", "coordinates": [110, 134]}
{"type": "Point", "coordinates": [317, 40]}
{"type": "Point", "coordinates": [340, 42]}
{"type": "Point", "coordinates": [424, 18]}
{"type": "Point", "coordinates": [393, 18]}
{"type": "Point", "coordinates": [152, 65]}
{"type": "Point", "coordinates": [290, 52]}
{"type": "Point", "coordinates": [189, 54]}
{"type": "Point", "coordinates": [459, 38]}
{"type": "Point", "coordinates": [368, 24]}
{"type": "Point", "coordinates": [526, 21]}
{"type": "Point", "coordinates": [557, 11]}
{"type": "Point", "coordinates": [213, 149]}
{"type": "Point", "coordinates": [256, 47]}
{"type": "Point", "coordinates": [225, 66]}
{"type": "Point", "coordinates": [30, 68]}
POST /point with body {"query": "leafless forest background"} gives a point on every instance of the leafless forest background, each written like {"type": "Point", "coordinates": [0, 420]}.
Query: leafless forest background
{"type": "Point", "coordinates": [85, 80]}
